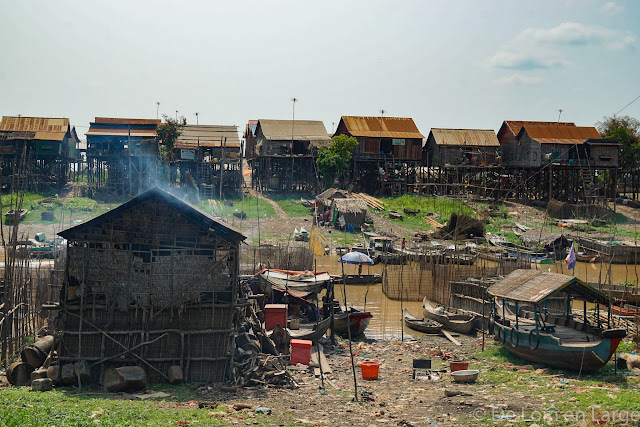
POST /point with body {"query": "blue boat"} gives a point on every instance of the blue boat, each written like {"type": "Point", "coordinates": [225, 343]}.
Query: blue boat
{"type": "Point", "coordinates": [560, 340]}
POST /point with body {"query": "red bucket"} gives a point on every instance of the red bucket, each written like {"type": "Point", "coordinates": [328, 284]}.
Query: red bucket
{"type": "Point", "coordinates": [370, 370]}
{"type": "Point", "coordinates": [458, 365]}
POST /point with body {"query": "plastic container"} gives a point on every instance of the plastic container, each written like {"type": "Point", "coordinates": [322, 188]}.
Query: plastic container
{"type": "Point", "coordinates": [275, 314]}
{"type": "Point", "coordinates": [465, 376]}
{"type": "Point", "coordinates": [300, 352]}
{"type": "Point", "coordinates": [458, 365]}
{"type": "Point", "coordinates": [370, 370]}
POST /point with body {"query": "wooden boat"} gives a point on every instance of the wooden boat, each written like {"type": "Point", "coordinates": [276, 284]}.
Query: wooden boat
{"type": "Point", "coordinates": [559, 341]}
{"type": "Point", "coordinates": [301, 281]}
{"type": "Point", "coordinates": [584, 257]}
{"type": "Point", "coordinates": [410, 211]}
{"type": "Point", "coordinates": [395, 214]}
{"type": "Point", "coordinates": [421, 324]}
{"type": "Point", "coordinates": [626, 310]}
{"type": "Point", "coordinates": [308, 331]}
{"type": "Point", "coordinates": [460, 258]}
{"type": "Point", "coordinates": [301, 235]}
{"type": "Point", "coordinates": [341, 250]}
{"type": "Point", "coordinates": [362, 279]}
{"type": "Point", "coordinates": [239, 214]}
{"type": "Point", "coordinates": [358, 320]}
{"type": "Point", "coordinates": [499, 256]}
{"type": "Point", "coordinates": [450, 318]}
{"type": "Point", "coordinates": [12, 215]}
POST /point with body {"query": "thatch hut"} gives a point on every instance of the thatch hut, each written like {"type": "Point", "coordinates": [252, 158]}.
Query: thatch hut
{"type": "Point", "coordinates": [152, 283]}
{"type": "Point", "coordinates": [346, 212]}
{"type": "Point", "coordinates": [552, 242]}
{"type": "Point", "coordinates": [324, 199]}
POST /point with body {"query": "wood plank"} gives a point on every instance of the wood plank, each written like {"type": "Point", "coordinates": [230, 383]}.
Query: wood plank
{"type": "Point", "coordinates": [320, 361]}
{"type": "Point", "coordinates": [450, 338]}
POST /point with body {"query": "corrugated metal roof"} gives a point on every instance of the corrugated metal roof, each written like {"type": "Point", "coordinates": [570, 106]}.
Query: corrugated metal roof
{"type": "Point", "coordinates": [124, 121]}
{"type": "Point", "coordinates": [104, 131]}
{"type": "Point", "coordinates": [560, 134]}
{"type": "Point", "coordinates": [208, 136]}
{"type": "Point", "coordinates": [515, 125]}
{"type": "Point", "coordinates": [43, 128]}
{"type": "Point", "coordinates": [535, 286]}
{"type": "Point", "coordinates": [392, 127]}
{"type": "Point", "coordinates": [311, 130]}
{"type": "Point", "coordinates": [468, 137]}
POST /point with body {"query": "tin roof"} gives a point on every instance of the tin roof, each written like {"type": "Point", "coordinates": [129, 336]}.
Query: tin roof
{"type": "Point", "coordinates": [392, 127]}
{"type": "Point", "coordinates": [469, 137]}
{"type": "Point", "coordinates": [124, 121]}
{"type": "Point", "coordinates": [227, 232]}
{"type": "Point", "coordinates": [559, 134]}
{"type": "Point", "coordinates": [312, 130]}
{"type": "Point", "coordinates": [111, 126]}
{"type": "Point", "coordinates": [208, 136]}
{"type": "Point", "coordinates": [514, 126]}
{"type": "Point", "coordinates": [535, 286]}
{"type": "Point", "coordinates": [43, 128]}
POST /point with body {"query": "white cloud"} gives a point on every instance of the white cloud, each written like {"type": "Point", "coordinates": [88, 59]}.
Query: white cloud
{"type": "Point", "coordinates": [518, 80]}
{"type": "Point", "coordinates": [612, 8]}
{"type": "Point", "coordinates": [543, 48]}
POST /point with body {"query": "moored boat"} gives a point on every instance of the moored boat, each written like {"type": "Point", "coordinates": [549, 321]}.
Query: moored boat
{"type": "Point", "coordinates": [13, 215]}
{"type": "Point", "coordinates": [358, 321]}
{"type": "Point", "coordinates": [362, 279]}
{"type": "Point", "coordinates": [421, 324]}
{"type": "Point", "coordinates": [451, 318]}
{"type": "Point", "coordinates": [395, 214]}
{"type": "Point", "coordinates": [559, 341]}
{"type": "Point", "coordinates": [304, 281]}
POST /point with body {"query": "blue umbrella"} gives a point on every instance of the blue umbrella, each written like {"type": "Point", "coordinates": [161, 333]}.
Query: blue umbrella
{"type": "Point", "coordinates": [355, 257]}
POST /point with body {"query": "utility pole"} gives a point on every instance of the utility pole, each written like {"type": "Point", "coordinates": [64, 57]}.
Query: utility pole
{"type": "Point", "coordinates": [176, 115]}
{"type": "Point", "coordinates": [197, 122]}
{"type": "Point", "coordinates": [157, 109]}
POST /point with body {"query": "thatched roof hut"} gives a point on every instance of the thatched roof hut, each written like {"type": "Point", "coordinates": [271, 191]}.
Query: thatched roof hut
{"type": "Point", "coordinates": [324, 199]}
{"type": "Point", "coordinates": [353, 211]}
{"type": "Point", "coordinates": [552, 242]}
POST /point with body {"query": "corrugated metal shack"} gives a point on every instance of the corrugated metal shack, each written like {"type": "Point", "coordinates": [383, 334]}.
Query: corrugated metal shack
{"type": "Point", "coordinates": [151, 283]}
{"type": "Point", "coordinates": [389, 153]}
{"type": "Point", "coordinates": [48, 144]}
{"type": "Point", "coordinates": [211, 155]}
{"type": "Point", "coordinates": [285, 152]}
{"type": "Point", "coordinates": [479, 147]}
{"type": "Point", "coordinates": [122, 156]}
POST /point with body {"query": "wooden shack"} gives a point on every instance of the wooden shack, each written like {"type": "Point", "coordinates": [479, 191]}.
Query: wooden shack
{"type": "Point", "coordinates": [122, 156]}
{"type": "Point", "coordinates": [211, 154]}
{"type": "Point", "coordinates": [389, 152]}
{"type": "Point", "coordinates": [48, 144]}
{"type": "Point", "coordinates": [285, 152]}
{"type": "Point", "coordinates": [477, 147]}
{"type": "Point", "coordinates": [348, 212]}
{"type": "Point", "coordinates": [151, 283]}
{"type": "Point", "coordinates": [507, 137]}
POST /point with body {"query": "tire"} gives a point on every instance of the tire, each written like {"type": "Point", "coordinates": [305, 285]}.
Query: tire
{"type": "Point", "coordinates": [537, 339]}
{"type": "Point", "coordinates": [512, 331]}
{"type": "Point", "coordinates": [491, 325]}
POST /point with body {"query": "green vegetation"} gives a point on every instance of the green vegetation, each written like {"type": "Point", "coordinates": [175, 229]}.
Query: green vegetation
{"type": "Point", "coordinates": [290, 203]}
{"type": "Point", "coordinates": [248, 206]}
{"type": "Point", "coordinates": [333, 160]}
{"type": "Point", "coordinates": [81, 204]}
{"type": "Point", "coordinates": [626, 130]}
{"type": "Point", "coordinates": [168, 133]}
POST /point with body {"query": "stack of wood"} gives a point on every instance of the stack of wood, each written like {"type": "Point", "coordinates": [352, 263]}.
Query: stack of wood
{"type": "Point", "coordinates": [372, 202]}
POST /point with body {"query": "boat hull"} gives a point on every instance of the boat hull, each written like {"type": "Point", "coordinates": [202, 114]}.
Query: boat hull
{"type": "Point", "coordinates": [462, 322]}
{"type": "Point", "coordinates": [365, 279]}
{"type": "Point", "coordinates": [588, 357]}
{"type": "Point", "coordinates": [421, 325]}
{"type": "Point", "coordinates": [359, 323]}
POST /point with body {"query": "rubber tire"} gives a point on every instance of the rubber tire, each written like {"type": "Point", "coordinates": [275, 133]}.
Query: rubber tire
{"type": "Point", "coordinates": [491, 325]}
{"type": "Point", "coordinates": [537, 339]}
{"type": "Point", "coordinates": [502, 338]}
{"type": "Point", "coordinates": [511, 332]}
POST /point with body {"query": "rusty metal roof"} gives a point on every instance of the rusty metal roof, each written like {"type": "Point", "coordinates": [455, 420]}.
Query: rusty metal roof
{"type": "Point", "coordinates": [122, 121]}
{"type": "Point", "coordinates": [559, 134]}
{"type": "Point", "coordinates": [109, 131]}
{"type": "Point", "coordinates": [467, 137]}
{"type": "Point", "coordinates": [208, 136]}
{"type": "Point", "coordinates": [535, 286]}
{"type": "Point", "coordinates": [311, 130]}
{"type": "Point", "coordinates": [514, 126]}
{"type": "Point", "coordinates": [42, 128]}
{"type": "Point", "coordinates": [392, 127]}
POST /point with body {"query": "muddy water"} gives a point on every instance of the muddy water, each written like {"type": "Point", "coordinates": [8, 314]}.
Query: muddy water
{"type": "Point", "coordinates": [387, 314]}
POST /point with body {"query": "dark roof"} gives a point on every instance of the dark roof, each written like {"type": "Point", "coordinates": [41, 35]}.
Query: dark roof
{"type": "Point", "coordinates": [535, 286]}
{"type": "Point", "coordinates": [228, 233]}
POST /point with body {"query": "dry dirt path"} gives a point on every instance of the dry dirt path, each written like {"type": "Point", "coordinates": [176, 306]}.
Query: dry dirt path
{"type": "Point", "coordinates": [281, 213]}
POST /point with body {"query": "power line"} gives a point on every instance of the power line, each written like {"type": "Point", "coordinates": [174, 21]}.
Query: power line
{"type": "Point", "coordinates": [627, 106]}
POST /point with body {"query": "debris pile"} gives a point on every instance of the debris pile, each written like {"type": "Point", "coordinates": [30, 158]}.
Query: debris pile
{"type": "Point", "coordinates": [461, 227]}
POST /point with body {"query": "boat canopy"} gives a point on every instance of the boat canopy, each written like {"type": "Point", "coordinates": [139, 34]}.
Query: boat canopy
{"type": "Point", "coordinates": [534, 286]}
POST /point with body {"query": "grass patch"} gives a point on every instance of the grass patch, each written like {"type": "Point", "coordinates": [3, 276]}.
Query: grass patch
{"type": "Point", "coordinates": [290, 203]}
{"type": "Point", "coordinates": [249, 206]}
{"type": "Point", "coordinates": [83, 204]}
{"type": "Point", "coordinates": [442, 206]}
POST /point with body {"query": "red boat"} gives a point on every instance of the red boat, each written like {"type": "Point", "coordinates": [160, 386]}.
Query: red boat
{"type": "Point", "coordinates": [359, 321]}
{"type": "Point", "coordinates": [628, 310]}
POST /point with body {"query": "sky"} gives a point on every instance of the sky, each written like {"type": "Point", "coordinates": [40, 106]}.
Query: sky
{"type": "Point", "coordinates": [446, 64]}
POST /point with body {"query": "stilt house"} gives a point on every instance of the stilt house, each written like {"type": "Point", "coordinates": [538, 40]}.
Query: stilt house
{"type": "Point", "coordinates": [478, 147]}
{"type": "Point", "coordinates": [47, 144]}
{"type": "Point", "coordinates": [151, 283]}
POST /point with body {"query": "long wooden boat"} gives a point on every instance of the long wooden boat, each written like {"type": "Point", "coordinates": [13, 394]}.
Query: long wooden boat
{"type": "Point", "coordinates": [585, 257]}
{"type": "Point", "coordinates": [450, 318]}
{"type": "Point", "coordinates": [395, 214]}
{"type": "Point", "coordinates": [13, 215]}
{"type": "Point", "coordinates": [308, 331]}
{"type": "Point", "coordinates": [500, 256]}
{"type": "Point", "coordinates": [421, 324]}
{"type": "Point", "coordinates": [358, 320]}
{"type": "Point", "coordinates": [363, 279]}
{"type": "Point", "coordinates": [574, 346]}
{"type": "Point", "coordinates": [626, 310]}
{"type": "Point", "coordinates": [303, 281]}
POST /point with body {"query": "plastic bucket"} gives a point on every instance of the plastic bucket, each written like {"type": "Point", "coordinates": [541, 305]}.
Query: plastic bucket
{"type": "Point", "coordinates": [458, 365]}
{"type": "Point", "coordinates": [370, 370]}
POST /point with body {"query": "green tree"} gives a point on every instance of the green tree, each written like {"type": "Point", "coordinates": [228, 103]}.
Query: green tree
{"type": "Point", "coordinates": [334, 160]}
{"type": "Point", "coordinates": [626, 130]}
{"type": "Point", "coordinates": [169, 133]}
